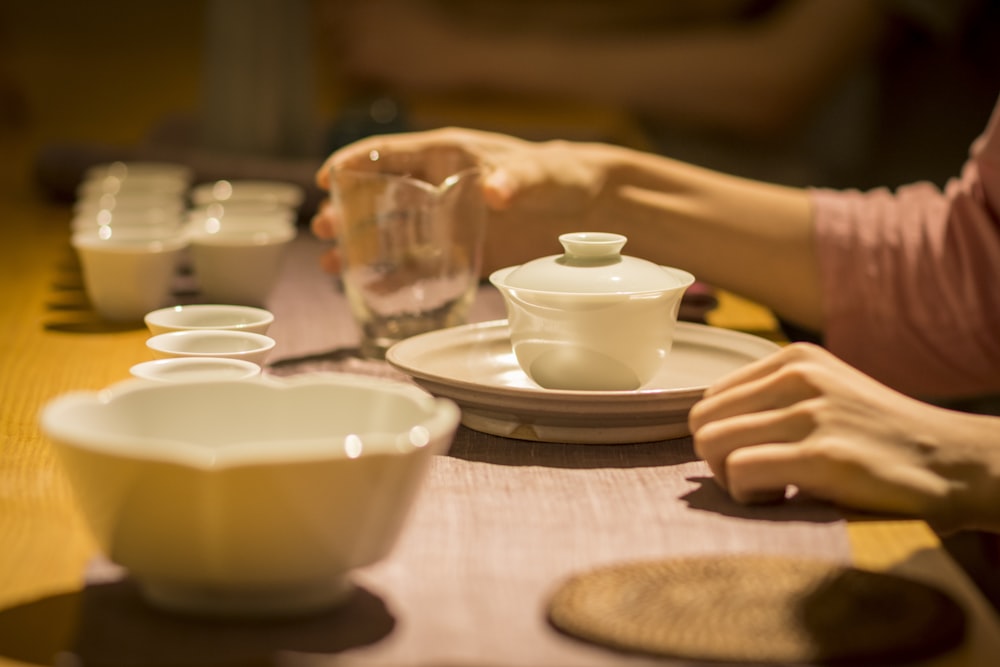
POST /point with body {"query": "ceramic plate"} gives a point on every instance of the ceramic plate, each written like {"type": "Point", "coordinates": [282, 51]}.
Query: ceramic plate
{"type": "Point", "coordinates": [475, 366]}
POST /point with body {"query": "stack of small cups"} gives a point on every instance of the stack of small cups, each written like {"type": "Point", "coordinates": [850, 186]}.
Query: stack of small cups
{"type": "Point", "coordinates": [136, 224]}
{"type": "Point", "coordinates": [206, 341]}
{"type": "Point", "coordinates": [128, 231]}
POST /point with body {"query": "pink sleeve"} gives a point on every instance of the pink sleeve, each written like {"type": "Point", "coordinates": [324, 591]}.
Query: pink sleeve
{"type": "Point", "coordinates": [911, 279]}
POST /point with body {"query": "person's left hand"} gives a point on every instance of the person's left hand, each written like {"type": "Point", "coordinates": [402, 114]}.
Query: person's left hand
{"type": "Point", "coordinates": [803, 418]}
{"type": "Point", "coordinates": [533, 190]}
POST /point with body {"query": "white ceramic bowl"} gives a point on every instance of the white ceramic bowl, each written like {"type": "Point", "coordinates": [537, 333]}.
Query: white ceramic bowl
{"type": "Point", "coordinates": [194, 369]}
{"type": "Point", "coordinates": [244, 345]}
{"type": "Point", "coordinates": [255, 497]}
{"type": "Point", "coordinates": [591, 319]}
{"type": "Point", "coordinates": [209, 316]}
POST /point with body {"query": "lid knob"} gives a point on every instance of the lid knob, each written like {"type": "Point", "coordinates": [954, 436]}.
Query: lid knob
{"type": "Point", "coordinates": [590, 246]}
{"type": "Point", "coordinates": [591, 264]}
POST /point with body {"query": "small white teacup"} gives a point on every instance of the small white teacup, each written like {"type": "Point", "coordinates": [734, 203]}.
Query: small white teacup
{"type": "Point", "coordinates": [203, 316]}
{"type": "Point", "coordinates": [238, 263]}
{"type": "Point", "coordinates": [244, 345]}
{"type": "Point", "coordinates": [128, 272]}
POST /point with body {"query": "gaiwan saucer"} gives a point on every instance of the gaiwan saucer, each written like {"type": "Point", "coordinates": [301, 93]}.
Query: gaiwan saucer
{"type": "Point", "coordinates": [475, 366]}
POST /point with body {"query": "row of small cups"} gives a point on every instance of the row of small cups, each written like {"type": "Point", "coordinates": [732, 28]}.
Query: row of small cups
{"type": "Point", "coordinates": [123, 193]}
{"type": "Point", "coordinates": [150, 192]}
{"type": "Point", "coordinates": [130, 271]}
{"type": "Point", "coordinates": [132, 231]}
{"type": "Point", "coordinates": [206, 342]}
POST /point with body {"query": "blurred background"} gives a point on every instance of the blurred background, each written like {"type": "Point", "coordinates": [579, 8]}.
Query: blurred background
{"type": "Point", "coordinates": [840, 93]}
{"type": "Point", "coordinates": [806, 92]}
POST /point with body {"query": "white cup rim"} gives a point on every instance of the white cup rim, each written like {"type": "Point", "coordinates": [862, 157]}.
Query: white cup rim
{"type": "Point", "coordinates": [129, 239]}
{"type": "Point", "coordinates": [174, 317]}
{"type": "Point", "coordinates": [170, 342]}
{"type": "Point", "coordinates": [159, 369]}
{"type": "Point", "coordinates": [271, 234]}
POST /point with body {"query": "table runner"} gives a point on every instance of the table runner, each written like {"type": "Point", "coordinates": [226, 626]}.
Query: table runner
{"type": "Point", "coordinates": [498, 525]}
{"type": "Point", "coordinates": [502, 522]}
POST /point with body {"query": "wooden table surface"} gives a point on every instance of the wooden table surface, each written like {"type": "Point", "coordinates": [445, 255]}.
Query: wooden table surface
{"type": "Point", "coordinates": [50, 344]}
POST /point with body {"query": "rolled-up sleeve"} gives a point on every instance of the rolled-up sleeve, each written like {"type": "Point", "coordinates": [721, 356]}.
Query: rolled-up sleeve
{"type": "Point", "coordinates": [911, 278]}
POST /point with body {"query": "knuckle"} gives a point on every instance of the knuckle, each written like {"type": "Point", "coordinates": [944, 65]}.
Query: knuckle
{"type": "Point", "coordinates": [697, 415]}
{"type": "Point", "coordinates": [707, 435]}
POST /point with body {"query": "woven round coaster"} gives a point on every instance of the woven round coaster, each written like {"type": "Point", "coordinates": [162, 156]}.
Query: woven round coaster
{"type": "Point", "coordinates": [758, 609]}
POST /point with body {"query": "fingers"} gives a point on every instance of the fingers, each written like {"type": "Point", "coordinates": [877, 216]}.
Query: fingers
{"type": "Point", "coordinates": [324, 226]}
{"type": "Point", "coordinates": [498, 190]}
{"type": "Point", "coordinates": [756, 417]}
{"type": "Point", "coordinates": [329, 261]}
{"type": "Point", "coordinates": [538, 176]}
{"type": "Point", "coordinates": [552, 176]}
{"type": "Point", "coordinates": [370, 154]}
{"type": "Point", "coordinates": [324, 223]}
{"type": "Point", "coordinates": [765, 389]}
{"type": "Point", "coordinates": [843, 472]}
{"type": "Point", "coordinates": [796, 352]}
{"type": "Point", "coordinates": [717, 440]}
{"type": "Point", "coordinates": [363, 155]}
{"type": "Point", "coordinates": [763, 473]}
{"type": "Point", "coordinates": [757, 457]}
{"type": "Point", "coordinates": [430, 155]}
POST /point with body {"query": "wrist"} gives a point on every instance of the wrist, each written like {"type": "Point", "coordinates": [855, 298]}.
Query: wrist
{"type": "Point", "coordinates": [973, 465]}
{"type": "Point", "coordinates": [748, 237]}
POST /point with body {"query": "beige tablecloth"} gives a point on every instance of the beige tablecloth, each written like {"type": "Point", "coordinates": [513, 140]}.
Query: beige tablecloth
{"type": "Point", "coordinates": [499, 524]}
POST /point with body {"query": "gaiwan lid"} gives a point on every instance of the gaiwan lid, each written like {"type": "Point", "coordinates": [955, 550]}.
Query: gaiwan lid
{"type": "Point", "coordinates": [593, 263]}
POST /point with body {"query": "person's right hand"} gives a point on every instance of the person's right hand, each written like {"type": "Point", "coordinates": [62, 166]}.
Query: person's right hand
{"type": "Point", "coordinates": [533, 191]}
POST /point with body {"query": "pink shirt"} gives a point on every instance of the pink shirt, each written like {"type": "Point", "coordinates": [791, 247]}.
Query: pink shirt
{"type": "Point", "coordinates": [911, 279]}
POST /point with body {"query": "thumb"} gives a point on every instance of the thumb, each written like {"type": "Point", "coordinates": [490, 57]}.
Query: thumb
{"type": "Point", "coordinates": [498, 189]}
{"type": "Point", "coordinates": [553, 178]}
{"type": "Point", "coordinates": [511, 178]}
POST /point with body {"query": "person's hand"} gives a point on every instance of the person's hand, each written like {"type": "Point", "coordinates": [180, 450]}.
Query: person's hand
{"type": "Point", "coordinates": [533, 191]}
{"type": "Point", "coordinates": [803, 418]}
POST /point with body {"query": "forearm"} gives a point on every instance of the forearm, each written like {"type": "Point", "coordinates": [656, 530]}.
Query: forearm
{"type": "Point", "coordinates": [748, 237]}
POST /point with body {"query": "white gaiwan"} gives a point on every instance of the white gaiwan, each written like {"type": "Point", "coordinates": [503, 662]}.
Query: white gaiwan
{"type": "Point", "coordinates": [591, 319]}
